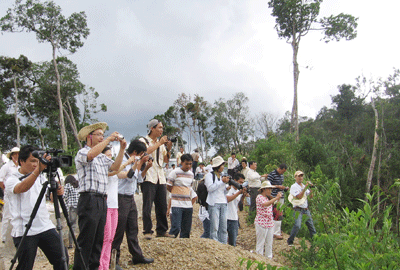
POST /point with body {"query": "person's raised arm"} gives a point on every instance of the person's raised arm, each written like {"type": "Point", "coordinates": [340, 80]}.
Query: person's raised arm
{"type": "Point", "coordinates": [28, 182]}
{"type": "Point", "coordinates": [117, 163]}
{"type": "Point", "coordinates": [98, 148]}
{"type": "Point", "coordinates": [151, 149]}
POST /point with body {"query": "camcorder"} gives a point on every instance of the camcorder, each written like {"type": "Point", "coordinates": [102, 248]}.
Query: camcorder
{"type": "Point", "coordinates": [55, 162]}
{"type": "Point", "coordinates": [232, 182]}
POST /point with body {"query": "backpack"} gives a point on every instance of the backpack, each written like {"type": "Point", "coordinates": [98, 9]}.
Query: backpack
{"type": "Point", "coordinates": [202, 192]}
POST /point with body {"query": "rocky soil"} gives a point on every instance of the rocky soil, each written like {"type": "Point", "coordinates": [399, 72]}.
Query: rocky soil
{"type": "Point", "coordinates": [193, 253]}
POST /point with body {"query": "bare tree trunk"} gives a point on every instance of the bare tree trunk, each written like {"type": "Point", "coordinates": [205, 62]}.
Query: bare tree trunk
{"type": "Point", "coordinates": [294, 123]}
{"type": "Point", "coordinates": [71, 123]}
{"type": "Point", "coordinates": [373, 158]}
{"type": "Point", "coordinates": [64, 138]}
{"type": "Point", "coordinates": [16, 113]}
{"type": "Point", "coordinates": [37, 124]}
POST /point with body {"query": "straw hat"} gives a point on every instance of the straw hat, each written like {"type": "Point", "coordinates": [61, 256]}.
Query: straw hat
{"type": "Point", "coordinates": [266, 184]}
{"type": "Point", "coordinates": [217, 161]}
{"type": "Point", "coordinates": [14, 150]}
{"type": "Point", "coordinates": [296, 202]}
{"type": "Point", "coordinates": [84, 132]}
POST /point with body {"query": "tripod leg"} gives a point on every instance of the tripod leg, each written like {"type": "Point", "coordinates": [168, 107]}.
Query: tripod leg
{"type": "Point", "coordinates": [65, 211]}
{"type": "Point", "coordinates": [29, 224]}
{"type": "Point", "coordinates": [59, 228]}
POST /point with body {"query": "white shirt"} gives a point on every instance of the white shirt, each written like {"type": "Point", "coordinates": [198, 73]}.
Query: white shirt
{"type": "Point", "coordinates": [244, 172]}
{"type": "Point", "coordinates": [232, 213]}
{"type": "Point", "coordinates": [208, 168]}
{"type": "Point", "coordinates": [21, 206]}
{"type": "Point", "coordinates": [6, 171]}
{"type": "Point", "coordinates": [155, 173]}
{"type": "Point", "coordinates": [216, 190]}
{"type": "Point", "coordinates": [232, 163]}
{"type": "Point", "coordinates": [203, 213]}
{"type": "Point", "coordinates": [296, 189]}
{"type": "Point", "coordinates": [253, 178]}
{"type": "Point", "coordinates": [178, 158]}
{"type": "Point", "coordinates": [112, 192]}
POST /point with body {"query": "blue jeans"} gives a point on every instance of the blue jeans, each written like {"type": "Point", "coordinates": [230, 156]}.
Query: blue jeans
{"type": "Point", "coordinates": [206, 228]}
{"type": "Point", "coordinates": [233, 228]}
{"type": "Point", "coordinates": [181, 221]}
{"type": "Point", "coordinates": [218, 222]}
{"type": "Point", "coordinates": [297, 224]}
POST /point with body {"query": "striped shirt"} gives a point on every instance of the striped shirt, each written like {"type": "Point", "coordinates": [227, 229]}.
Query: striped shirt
{"type": "Point", "coordinates": [182, 192]}
{"type": "Point", "coordinates": [275, 179]}
{"type": "Point", "coordinates": [71, 196]}
{"type": "Point", "coordinates": [92, 175]}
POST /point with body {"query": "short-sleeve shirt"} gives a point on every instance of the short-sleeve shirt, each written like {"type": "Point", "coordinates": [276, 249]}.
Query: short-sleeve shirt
{"type": "Point", "coordinates": [296, 189]}
{"type": "Point", "coordinates": [253, 178]}
{"type": "Point", "coordinates": [275, 179]}
{"type": "Point", "coordinates": [112, 192]}
{"type": "Point", "coordinates": [127, 186]}
{"type": "Point", "coordinates": [21, 206]}
{"type": "Point", "coordinates": [182, 192]}
{"type": "Point", "coordinates": [232, 213]}
{"type": "Point", "coordinates": [264, 216]}
{"type": "Point", "coordinates": [6, 171]}
{"type": "Point", "coordinates": [155, 173]}
{"type": "Point", "coordinates": [92, 175]}
{"type": "Point", "coordinates": [71, 195]}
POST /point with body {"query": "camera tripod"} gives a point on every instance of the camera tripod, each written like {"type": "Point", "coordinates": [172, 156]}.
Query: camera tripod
{"type": "Point", "coordinates": [59, 201]}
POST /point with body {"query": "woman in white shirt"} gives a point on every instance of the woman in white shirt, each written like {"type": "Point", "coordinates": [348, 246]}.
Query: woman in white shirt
{"type": "Point", "coordinates": [216, 200]}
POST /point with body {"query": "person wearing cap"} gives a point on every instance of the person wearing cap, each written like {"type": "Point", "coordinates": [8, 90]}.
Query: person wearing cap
{"type": "Point", "coordinates": [276, 178]}
{"type": "Point", "coordinates": [298, 197]}
{"type": "Point", "coordinates": [92, 168]}
{"type": "Point", "coordinates": [264, 221]}
{"type": "Point", "coordinates": [154, 187]}
{"type": "Point", "coordinates": [216, 200]}
{"type": "Point", "coordinates": [6, 170]}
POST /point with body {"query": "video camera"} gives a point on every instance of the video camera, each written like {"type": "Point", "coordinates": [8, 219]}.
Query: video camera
{"type": "Point", "coordinates": [232, 182]}
{"type": "Point", "coordinates": [55, 162]}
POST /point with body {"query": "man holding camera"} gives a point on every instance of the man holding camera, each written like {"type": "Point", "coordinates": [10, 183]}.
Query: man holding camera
{"type": "Point", "coordinates": [154, 186]}
{"type": "Point", "coordinates": [254, 179]}
{"type": "Point", "coordinates": [298, 197]}
{"type": "Point", "coordinates": [92, 167]}
{"type": "Point", "coordinates": [233, 197]}
{"type": "Point", "coordinates": [23, 188]}
{"type": "Point", "coordinates": [131, 174]}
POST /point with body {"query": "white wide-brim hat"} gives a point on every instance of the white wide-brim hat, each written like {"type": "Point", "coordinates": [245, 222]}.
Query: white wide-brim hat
{"type": "Point", "coordinates": [85, 131]}
{"type": "Point", "coordinates": [266, 184]}
{"type": "Point", "coordinates": [296, 202]}
{"type": "Point", "coordinates": [217, 161]}
{"type": "Point", "coordinates": [14, 150]}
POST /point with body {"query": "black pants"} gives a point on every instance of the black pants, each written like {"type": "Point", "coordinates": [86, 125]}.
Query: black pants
{"type": "Point", "coordinates": [48, 242]}
{"type": "Point", "coordinates": [253, 195]}
{"type": "Point", "coordinates": [92, 215]}
{"type": "Point", "coordinates": [156, 193]}
{"type": "Point", "coordinates": [127, 223]}
{"type": "Point", "coordinates": [194, 166]}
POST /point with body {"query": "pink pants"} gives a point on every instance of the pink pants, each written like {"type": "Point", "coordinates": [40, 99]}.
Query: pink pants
{"type": "Point", "coordinates": [109, 232]}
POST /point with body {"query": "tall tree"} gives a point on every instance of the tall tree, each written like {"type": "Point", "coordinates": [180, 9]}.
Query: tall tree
{"type": "Point", "coordinates": [50, 25]}
{"type": "Point", "coordinates": [294, 19]}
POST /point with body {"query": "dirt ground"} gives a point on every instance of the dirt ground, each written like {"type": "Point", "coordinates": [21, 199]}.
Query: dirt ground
{"type": "Point", "coordinates": [193, 253]}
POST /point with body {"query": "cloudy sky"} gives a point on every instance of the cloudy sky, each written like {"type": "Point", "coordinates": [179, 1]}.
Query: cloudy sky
{"type": "Point", "coordinates": [141, 54]}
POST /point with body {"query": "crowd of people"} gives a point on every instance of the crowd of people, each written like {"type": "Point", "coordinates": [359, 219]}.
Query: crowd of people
{"type": "Point", "coordinates": [100, 199]}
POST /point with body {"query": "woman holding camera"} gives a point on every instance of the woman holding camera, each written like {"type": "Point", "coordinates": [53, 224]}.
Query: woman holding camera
{"type": "Point", "coordinates": [216, 200]}
{"type": "Point", "coordinates": [264, 220]}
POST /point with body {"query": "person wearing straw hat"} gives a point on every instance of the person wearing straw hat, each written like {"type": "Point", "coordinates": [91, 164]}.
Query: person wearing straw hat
{"type": "Point", "coordinates": [92, 168]}
{"type": "Point", "coordinates": [216, 200]}
{"type": "Point", "coordinates": [6, 170]}
{"type": "Point", "coordinates": [264, 221]}
{"type": "Point", "coordinates": [298, 197]}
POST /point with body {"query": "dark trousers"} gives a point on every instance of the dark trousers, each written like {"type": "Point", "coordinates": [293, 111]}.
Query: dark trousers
{"type": "Point", "coordinates": [48, 242]}
{"type": "Point", "coordinates": [181, 221]}
{"type": "Point", "coordinates": [253, 195]}
{"type": "Point", "coordinates": [206, 228]}
{"type": "Point", "coordinates": [194, 166]}
{"type": "Point", "coordinates": [127, 223]}
{"type": "Point", "coordinates": [233, 229]}
{"type": "Point", "coordinates": [156, 193]}
{"type": "Point", "coordinates": [92, 213]}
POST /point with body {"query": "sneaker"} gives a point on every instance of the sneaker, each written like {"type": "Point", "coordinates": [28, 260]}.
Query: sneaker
{"type": "Point", "coordinates": [290, 244]}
